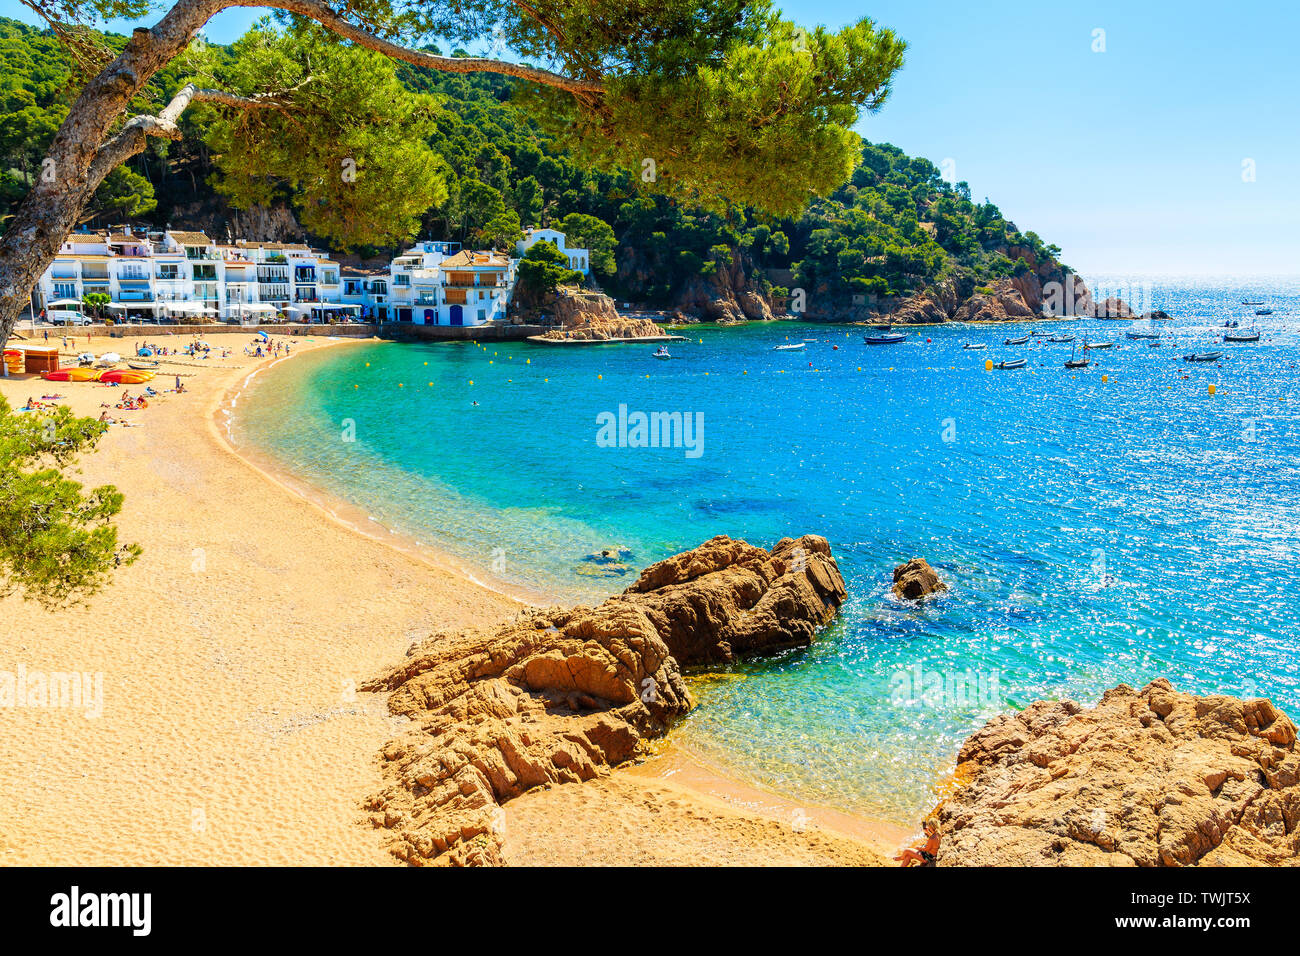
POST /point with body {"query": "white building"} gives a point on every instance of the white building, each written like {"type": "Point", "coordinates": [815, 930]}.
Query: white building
{"type": "Point", "coordinates": [579, 259]}
{"type": "Point", "coordinates": [174, 274]}
{"type": "Point", "coordinates": [438, 283]}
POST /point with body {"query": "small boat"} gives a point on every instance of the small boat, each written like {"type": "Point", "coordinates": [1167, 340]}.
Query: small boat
{"type": "Point", "coordinates": [121, 376]}
{"type": "Point", "coordinates": [71, 375]}
{"type": "Point", "coordinates": [1077, 363]}
{"type": "Point", "coordinates": [889, 338]}
{"type": "Point", "coordinates": [1142, 335]}
{"type": "Point", "coordinates": [1263, 311]}
{"type": "Point", "coordinates": [1099, 345]}
{"type": "Point", "coordinates": [1060, 338]}
{"type": "Point", "coordinates": [974, 345]}
{"type": "Point", "coordinates": [1020, 341]}
{"type": "Point", "coordinates": [1241, 337]}
{"type": "Point", "coordinates": [1252, 301]}
{"type": "Point", "coordinates": [1203, 357]}
{"type": "Point", "coordinates": [793, 347]}
{"type": "Point", "coordinates": [660, 353]}
{"type": "Point", "coordinates": [143, 366]}
{"type": "Point", "coordinates": [1011, 363]}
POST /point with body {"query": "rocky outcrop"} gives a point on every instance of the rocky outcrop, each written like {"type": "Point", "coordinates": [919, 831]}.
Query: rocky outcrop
{"type": "Point", "coordinates": [726, 297]}
{"type": "Point", "coordinates": [557, 696]}
{"type": "Point", "coordinates": [1149, 778]}
{"type": "Point", "coordinates": [588, 315]}
{"type": "Point", "coordinates": [928, 307]}
{"type": "Point", "coordinates": [916, 579]}
{"type": "Point", "coordinates": [1003, 302]}
{"type": "Point", "coordinates": [1113, 308]}
{"type": "Point", "coordinates": [726, 598]}
{"type": "Point", "coordinates": [735, 291]}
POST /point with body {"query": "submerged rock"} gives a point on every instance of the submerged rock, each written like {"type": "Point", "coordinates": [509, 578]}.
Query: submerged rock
{"type": "Point", "coordinates": [1147, 778]}
{"type": "Point", "coordinates": [916, 579]}
{"type": "Point", "coordinates": [556, 696]}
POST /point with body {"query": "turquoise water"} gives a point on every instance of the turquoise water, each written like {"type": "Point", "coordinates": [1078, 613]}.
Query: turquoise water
{"type": "Point", "coordinates": [1093, 532]}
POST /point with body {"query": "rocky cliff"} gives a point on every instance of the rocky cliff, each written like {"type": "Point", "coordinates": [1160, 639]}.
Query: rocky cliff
{"type": "Point", "coordinates": [1148, 778]}
{"type": "Point", "coordinates": [558, 696]}
{"type": "Point", "coordinates": [585, 314]}
{"type": "Point", "coordinates": [734, 293]}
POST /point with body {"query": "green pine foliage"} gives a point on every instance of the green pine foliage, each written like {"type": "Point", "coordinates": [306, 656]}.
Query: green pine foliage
{"type": "Point", "coordinates": [477, 162]}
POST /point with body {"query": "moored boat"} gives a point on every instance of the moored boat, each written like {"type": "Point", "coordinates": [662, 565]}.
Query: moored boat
{"type": "Point", "coordinates": [1099, 345]}
{"type": "Point", "coordinates": [1263, 311]}
{"type": "Point", "coordinates": [793, 347]}
{"type": "Point", "coordinates": [659, 353]}
{"type": "Point", "coordinates": [974, 346]}
{"type": "Point", "coordinates": [889, 338]}
{"type": "Point", "coordinates": [1203, 357]}
{"type": "Point", "coordinates": [1241, 336]}
{"type": "Point", "coordinates": [1142, 335]}
{"type": "Point", "coordinates": [1060, 338]}
{"type": "Point", "coordinates": [1020, 341]}
{"type": "Point", "coordinates": [1011, 363]}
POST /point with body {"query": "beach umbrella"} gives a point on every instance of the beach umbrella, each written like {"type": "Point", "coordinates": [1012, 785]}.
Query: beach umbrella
{"type": "Point", "coordinates": [265, 337]}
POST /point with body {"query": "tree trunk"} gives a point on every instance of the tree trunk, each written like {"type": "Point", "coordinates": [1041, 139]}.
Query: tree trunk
{"type": "Point", "coordinates": [69, 175]}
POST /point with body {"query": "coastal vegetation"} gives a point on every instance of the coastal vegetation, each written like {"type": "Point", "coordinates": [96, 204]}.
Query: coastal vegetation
{"type": "Point", "coordinates": [718, 104]}
{"type": "Point", "coordinates": [482, 154]}
{"type": "Point", "coordinates": [57, 541]}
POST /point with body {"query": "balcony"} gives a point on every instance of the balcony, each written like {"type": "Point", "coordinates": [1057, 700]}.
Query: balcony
{"type": "Point", "coordinates": [301, 296]}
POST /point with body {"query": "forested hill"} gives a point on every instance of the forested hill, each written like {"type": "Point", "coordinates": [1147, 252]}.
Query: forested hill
{"type": "Point", "coordinates": [897, 227]}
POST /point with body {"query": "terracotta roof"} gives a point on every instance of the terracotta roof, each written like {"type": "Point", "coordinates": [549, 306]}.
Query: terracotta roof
{"type": "Point", "coordinates": [467, 259]}
{"type": "Point", "coordinates": [191, 238]}
{"type": "Point", "coordinates": [293, 246]}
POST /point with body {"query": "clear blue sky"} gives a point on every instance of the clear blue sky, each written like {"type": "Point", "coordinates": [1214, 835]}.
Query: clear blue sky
{"type": "Point", "coordinates": [1129, 159]}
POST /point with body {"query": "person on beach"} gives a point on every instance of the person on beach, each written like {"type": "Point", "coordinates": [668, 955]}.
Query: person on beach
{"type": "Point", "coordinates": [923, 855]}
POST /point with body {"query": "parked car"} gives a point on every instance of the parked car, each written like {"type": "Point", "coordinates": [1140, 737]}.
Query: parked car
{"type": "Point", "coordinates": [69, 317]}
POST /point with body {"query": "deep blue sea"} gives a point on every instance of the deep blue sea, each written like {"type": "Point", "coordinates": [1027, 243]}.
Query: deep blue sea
{"type": "Point", "coordinates": [1110, 525]}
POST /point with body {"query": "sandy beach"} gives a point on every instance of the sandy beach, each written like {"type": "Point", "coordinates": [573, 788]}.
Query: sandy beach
{"type": "Point", "coordinates": [231, 731]}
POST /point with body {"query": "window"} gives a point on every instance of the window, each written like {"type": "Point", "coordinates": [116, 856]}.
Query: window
{"type": "Point", "coordinates": [168, 270]}
{"type": "Point", "coordinates": [482, 314]}
{"type": "Point", "coordinates": [65, 290]}
{"type": "Point", "coordinates": [205, 273]}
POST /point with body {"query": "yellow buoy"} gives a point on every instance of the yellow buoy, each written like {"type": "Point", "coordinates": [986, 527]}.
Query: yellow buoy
{"type": "Point", "coordinates": [988, 365]}
{"type": "Point", "coordinates": [600, 377]}
{"type": "Point", "coordinates": [1211, 388]}
{"type": "Point", "coordinates": [1105, 379]}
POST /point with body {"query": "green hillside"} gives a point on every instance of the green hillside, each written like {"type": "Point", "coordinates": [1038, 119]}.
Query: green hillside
{"type": "Point", "coordinates": [894, 228]}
